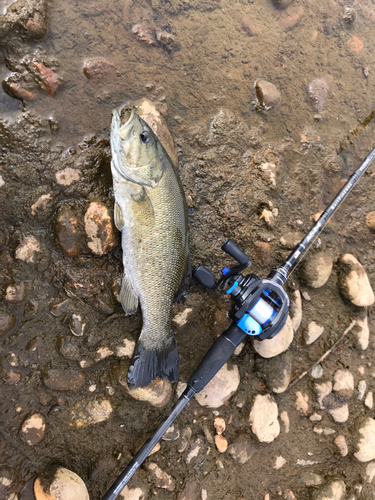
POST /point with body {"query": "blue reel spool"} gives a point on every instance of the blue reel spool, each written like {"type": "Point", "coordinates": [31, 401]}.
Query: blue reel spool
{"type": "Point", "coordinates": [259, 315]}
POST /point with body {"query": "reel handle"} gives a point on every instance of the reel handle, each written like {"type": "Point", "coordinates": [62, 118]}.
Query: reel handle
{"type": "Point", "coordinates": [232, 249]}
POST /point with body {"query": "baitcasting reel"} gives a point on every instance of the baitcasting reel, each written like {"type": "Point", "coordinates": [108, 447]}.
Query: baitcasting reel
{"type": "Point", "coordinates": [260, 306]}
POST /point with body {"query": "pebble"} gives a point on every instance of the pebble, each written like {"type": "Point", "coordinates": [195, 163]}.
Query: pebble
{"type": "Point", "coordinates": [318, 93]}
{"type": "Point", "coordinates": [370, 221]}
{"type": "Point", "coordinates": [263, 253]}
{"type": "Point", "coordinates": [313, 332]}
{"type": "Point", "coordinates": [189, 492]}
{"type": "Point", "coordinates": [11, 377]}
{"type": "Point", "coordinates": [290, 240]}
{"type": "Point", "coordinates": [282, 4]}
{"type": "Point", "coordinates": [2, 182]}
{"type": "Point", "coordinates": [315, 417]}
{"type": "Point", "coordinates": [59, 484]}
{"type": "Point", "coordinates": [6, 480]}
{"type": "Point", "coordinates": [316, 269]}
{"type": "Point", "coordinates": [28, 249]}
{"type": "Point", "coordinates": [99, 70]}
{"type": "Point", "coordinates": [241, 450]}
{"type": "Point", "coordinates": [87, 413]}
{"type": "Point", "coordinates": [76, 326]}
{"type": "Point", "coordinates": [7, 322]}
{"type": "Point", "coordinates": [102, 353]}
{"type": "Point", "coordinates": [317, 371]}
{"type": "Point", "coordinates": [296, 309]}
{"type": "Point", "coordinates": [32, 429]}
{"type": "Point", "coordinates": [340, 414]}
{"type": "Point", "coordinates": [171, 434]}
{"type": "Point", "coordinates": [41, 204]}
{"type": "Point", "coordinates": [67, 176]}
{"type": "Point", "coordinates": [369, 400]}
{"type": "Point", "coordinates": [364, 435]}
{"type": "Point", "coordinates": [277, 372]}
{"type": "Point", "coordinates": [263, 418]}
{"type": "Point", "coordinates": [353, 281]}
{"type": "Point", "coordinates": [15, 293]}
{"type": "Point", "coordinates": [350, 14]}
{"type": "Point", "coordinates": [355, 44]}
{"type": "Point", "coordinates": [332, 490]}
{"type": "Point", "coordinates": [343, 382]}
{"type": "Point", "coordinates": [194, 450]}
{"type": "Point", "coordinates": [36, 25]}
{"type": "Point", "coordinates": [362, 333]}
{"type": "Point", "coordinates": [273, 347]}
{"type": "Point", "coordinates": [133, 493]}
{"type": "Point", "coordinates": [322, 389]}
{"type": "Point", "coordinates": [59, 307]}
{"type": "Point", "coordinates": [221, 443]}
{"type": "Point", "coordinates": [143, 33]}
{"type": "Point", "coordinates": [370, 472]}
{"type": "Point", "coordinates": [219, 425]}
{"type": "Point", "coordinates": [126, 350]}
{"type": "Point", "coordinates": [68, 380]}
{"type": "Point", "coordinates": [224, 384]}
{"type": "Point", "coordinates": [285, 420]}
{"type": "Point", "coordinates": [302, 403]}
{"type": "Point", "coordinates": [181, 318]}
{"type": "Point", "coordinates": [100, 231]}
{"type": "Point", "coordinates": [289, 495]}
{"type": "Point", "coordinates": [269, 97]}
{"type": "Point", "coordinates": [341, 444]}
{"type": "Point", "coordinates": [362, 386]}
{"type": "Point", "coordinates": [50, 80]}
{"type": "Point", "coordinates": [311, 479]}
{"type": "Point", "coordinates": [68, 233]}
{"type": "Point", "coordinates": [280, 461]}
{"type": "Point", "coordinates": [185, 439]}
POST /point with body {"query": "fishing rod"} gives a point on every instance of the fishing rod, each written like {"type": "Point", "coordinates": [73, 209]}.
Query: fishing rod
{"type": "Point", "coordinates": [260, 309]}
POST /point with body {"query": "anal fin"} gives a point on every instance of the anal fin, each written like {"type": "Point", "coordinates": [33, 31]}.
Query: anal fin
{"type": "Point", "coordinates": [128, 298]}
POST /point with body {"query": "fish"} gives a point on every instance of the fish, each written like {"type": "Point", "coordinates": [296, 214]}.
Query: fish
{"type": "Point", "coordinates": [151, 213]}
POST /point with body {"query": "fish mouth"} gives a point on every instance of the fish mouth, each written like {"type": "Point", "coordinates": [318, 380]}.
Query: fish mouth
{"type": "Point", "coordinates": [127, 116]}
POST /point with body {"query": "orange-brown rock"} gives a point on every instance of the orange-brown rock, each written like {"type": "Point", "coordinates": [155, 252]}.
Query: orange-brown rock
{"type": "Point", "coordinates": [50, 79]}
{"type": "Point", "coordinates": [68, 233]}
{"type": "Point", "coordinates": [100, 231]}
{"type": "Point", "coordinates": [99, 70]}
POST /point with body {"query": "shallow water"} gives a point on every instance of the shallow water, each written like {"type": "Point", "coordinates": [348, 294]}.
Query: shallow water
{"type": "Point", "coordinates": [203, 80]}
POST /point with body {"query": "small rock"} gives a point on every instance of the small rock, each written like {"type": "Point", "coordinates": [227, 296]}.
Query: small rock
{"type": "Point", "coordinates": [285, 420]}
{"type": "Point", "coordinates": [370, 472]}
{"type": "Point", "coordinates": [102, 353]}
{"type": "Point", "coordinates": [263, 253]}
{"type": "Point", "coordinates": [171, 434]}
{"type": "Point", "coordinates": [221, 443]}
{"type": "Point", "coordinates": [92, 412]}
{"type": "Point", "coordinates": [306, 296]}
{"type": "Point", "coordinates": [50, 80]}
{"type": "Point", "coordinates": [189, 492]}
{"type": "Point", "coordinates": [220, 388]}
{"type": "Point", "coordinates": [7, 322]}
{"type": "Point", "coordinates": [181, 318]}
{"type": "Point", "coordinates": [68, 349]}
{"type": "Point", "coordinates": [289, 495]}
{"type": "Point", "coordinates": [370, 221]}
{"type": "Point", "coordinates": [239, 349]}
{"type": "Point", "coordinates": [42, 203]}
{"type": "Point", "coordinates": [296, 309]}
{"type": "Point", "coordinates": [11, 377]}
{"type": "Point", "coordinates": [282, 4]}
{"type": "Point", "coordinates": [101, 236]}
{"type": "Point", "coordinates": [355, 44]}
{"type": "Point", "coordinates": [343, 382]}
{"type": "Point", "coordinates": [241, 450]}
{"type": "Point", "coordinates": [64, 380]}
{"type": "Point", "coordinates": [6, 480]}
{"type": "Point", "coordinates": [185, 439]}
{"type": "Point", "coordinates": [350, 15]}
{"type": "Point", "coordinates": [59, 307]}
{"type": "Point", "coordinates": [36, 25]}
{"type": "Point", "coordinates": [317, 371]}
{"type": "Point", "coordinates": [126, 350]}
{"type": "Point", "coordinates": [340, 414]}
{"type": "Point", "coordinates": [315, 417]}
{"type": "Point", "coordinates": [57, 483]}
{"type": "Point", "coordinates": [28, 249]}
{"type": "Point", "coordinates": [369, 400]}
{"type": "Point", "coordinates": [76, 326]}
{"type": "Point", "coordinates": [277, 372]}
{"type": "Point", "coordinates": [332, 490]}
{"type": "Point", "coordinates": [32, 429]}
{"type": "Point", "coordinates": [219, 425]}
{"type": "Point", "coordinates": [15, 293]}
{"type": "Point", "coordinates": [99, 70]}
{"type": "Point", "coordinates": [280, 461]}
{"type": "Point", "coordinates": [263, 418]}
{"type": "Point", "coordinates": [316, 269]}
{"type": "Point", "coordinates": [161, 478]}
{"type": "Point", "coordinates": [133, 493]}
{"type": "Point", "coordinates": [68, 233]}
{"type": "Point", "coordinates": [365, 439]}
{"type": "Point", "coordinates": [362, 333]}
{"type": "Point", "coordinates": [318, 93]}
{"type": "Point", "coordinates": [144, 33]}
{"type": "Point", "coordinates": [165, 38]}
{"type": "Point", "coordinates": [290, 240]}
{"type": "Point", "coordinates": [353, 281]}
{"type": "Point", "coordinates": [269, 97]}
{"type": "Point", "coordinates": [322, 389]}
{"type": "Point", "coordinates": [341, 444]}
{"type": "Point", "coordinates": [313, 332]}
{"type": "Point", "coordinates": [362, 386]}
{"type": "Point", "coordinates": [194, 450]}
{"type": "Point", "coordinates": [302, 403]}
{"type": "Point", "coordinates": [273, 347]}
{"type": "Point", "coordinates": [68, 176]}
{"type": "Point", "coordinates": [311, 479]}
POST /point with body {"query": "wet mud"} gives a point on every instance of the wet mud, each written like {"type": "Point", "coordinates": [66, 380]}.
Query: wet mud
{"type": "Point", "coordinates": [251, 174]}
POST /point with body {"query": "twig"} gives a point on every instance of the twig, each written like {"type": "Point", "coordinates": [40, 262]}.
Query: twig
{"type": "Point", "coordinates": [322, 358]}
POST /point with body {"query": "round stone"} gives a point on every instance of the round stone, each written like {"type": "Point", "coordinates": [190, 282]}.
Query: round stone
{"type": "Point", "coordinates": [365, 439]}
{"type": "Point", "coordinates": [100, 232]}
{"type": "Point", "coordinates": [318, 93]}
{"type": "Point", "coordinates": [370, 221]}
{"type": "Point", "coordinates": [313, 332]}
{"type": "Point", "coordinates": [15, 293]}
{"type": "Point", "coordinates": [273, 347]}
{"type": "Point", "coordinates": [32, 429]}
{"type": "Point", "coordinates": [57, 483]}
{"type": "Point", "coordinates": [90, 412]}
{"type": "Point", "coordinates": [99, 70]}
{"type": "Point", "coordinates": [353, 281]}
{"type": "Point", "coordinates": [263, 418]}
{"type": "Point", "coordinates": [68, 233]}
{"type": "Point", "coordinates": [223, 385]}
{"type": "Point", "coordinates": [7, 322]}
{"type": "Point", "coordinates": [269, 97]}
{"type": "Point", "coordinates": [332, 490]}
{"type": "Point", "coordinates": [316, 269]}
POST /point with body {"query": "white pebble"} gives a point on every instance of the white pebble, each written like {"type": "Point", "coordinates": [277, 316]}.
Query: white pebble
{"type": "Point", "coordinates": [280, 461]}
{"type": "Point", "coordinates": [369, 400]}
{"type": "Point", "coordinates": [341, 444]}
{"type": "Point", "coordinates": [285, 420]}
{"type": "Point", "coordinates": [362, 386]}
{"type": "Point", "coordinates": [2, 182]}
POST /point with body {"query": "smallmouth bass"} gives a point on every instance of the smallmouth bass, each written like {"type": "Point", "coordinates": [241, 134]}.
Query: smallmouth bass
{"type": "Point", "coordinates": [151, 213]}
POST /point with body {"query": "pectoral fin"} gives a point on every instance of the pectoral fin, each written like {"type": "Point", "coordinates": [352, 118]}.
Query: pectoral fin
{"type": "Point", "coordinates": [128, 298]}
{"type": "Point", "coordinates": [119, 221]}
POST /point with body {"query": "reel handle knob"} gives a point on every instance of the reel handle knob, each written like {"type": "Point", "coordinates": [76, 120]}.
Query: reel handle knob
{"type": "Point", "coordinates": [232, 249]}
{"type": "Point", "coordinates": [205, 277]}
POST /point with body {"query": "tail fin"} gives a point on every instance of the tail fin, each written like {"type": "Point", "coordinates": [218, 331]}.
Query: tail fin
{"type": "Point", "coordinates": [146, 364]}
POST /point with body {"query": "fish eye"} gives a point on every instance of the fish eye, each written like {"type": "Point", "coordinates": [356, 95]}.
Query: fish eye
{"type": "Point", "coordinates": [145, 136]}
